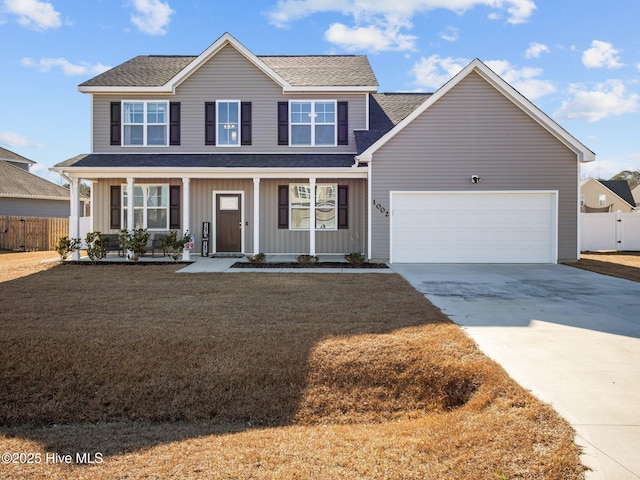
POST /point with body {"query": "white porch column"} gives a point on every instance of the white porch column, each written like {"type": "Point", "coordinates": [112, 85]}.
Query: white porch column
{"type": "Point", "coordinates": [74, 213]}
{"type": "Point", "coordinates": [312, 217]}
{"type": "Point", "coordinates": [186, 254]}
{"type": "Point", "coordinates": [130, 219]}
{"type": "Point", "coordinates": [256, 215]}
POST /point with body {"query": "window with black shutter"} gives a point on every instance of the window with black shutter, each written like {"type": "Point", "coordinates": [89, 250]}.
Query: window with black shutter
{"type": "Point", "coordinates": [343, 123]}
{"type": "Point", "coordinates": [174, 123]}
{"type": "Point", "coordinates": [115, 123]}
{"type": "Point", "coordinates": [245, 127]}
{"type": "Point", "coordinates": [343, 206]}
{"type": "Point", "coordinates": [283, 206]}
{"type": "Point", "coordinates": [115, 220]}
{"type": "Point", "coordinates": [210, 123]}
{"type": "Point", "coordinates": [283, 123]}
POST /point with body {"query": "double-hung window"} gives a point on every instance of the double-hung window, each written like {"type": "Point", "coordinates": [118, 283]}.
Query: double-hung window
{"type": "Point", "coordinates": [313, 123]}
{"type": "Point", "coordinates": [602, 200]}
{"type": "Point", "coordinates": [228, 122]}
{"type": "Point", "coordinates": [150, 206]}
{"type": "Point", "coordinates": [145, 123]}
{"type": "Point", "coordinates": [300, 206]}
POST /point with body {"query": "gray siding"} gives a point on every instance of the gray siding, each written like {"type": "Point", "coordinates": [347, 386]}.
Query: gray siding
{"type": "Point", "coordinates": [26, 207]}
{"type": "Point", "coordinates": [474, 129]}
{"type": "Point", "coordinates": [226, 76]}
{"type": "Point", "coordinates": [272, 239]}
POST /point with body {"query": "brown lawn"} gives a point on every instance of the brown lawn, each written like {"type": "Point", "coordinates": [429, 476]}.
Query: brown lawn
{"type": "Point", "coordinates": [617, 264]}
{"type": "Point", "coordinates": [256, 375]}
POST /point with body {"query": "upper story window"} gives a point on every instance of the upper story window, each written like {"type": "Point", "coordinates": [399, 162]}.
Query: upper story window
{"type": "Point", "coordinates": [313, 123]}
{"type": "Point", "coordinates": [145, 123]}
{"type": "Point", "coordinates": [228, 122]}
{"type": "Point", "coordinates": [602, 200]}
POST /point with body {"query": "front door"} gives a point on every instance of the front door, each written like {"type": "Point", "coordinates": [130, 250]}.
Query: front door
{"type": "Point", "coordinates": [228, 222]}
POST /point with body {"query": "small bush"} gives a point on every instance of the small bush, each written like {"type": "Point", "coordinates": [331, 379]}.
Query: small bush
{"type": "Point", "coordinates": [65, 246]}
{"type": "Point", "coordinates": [134, 241]}
{"type": "Point", "coordinates": [258, 258]}
{"type": "Point", "coordinates": [174, 247]}
{"type": "Point", "coordinates": [96, 246]}
{"type": "Point", "coordinates": [307, 259]}
{"type": "Point", "coordinates": [355, 259]}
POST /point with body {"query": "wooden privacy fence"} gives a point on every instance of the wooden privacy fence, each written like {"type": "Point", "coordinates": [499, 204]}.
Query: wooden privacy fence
{"type": "Point", "coordinates": [31, 233]}
{"type": "Point", "coordinates": [610, 231]}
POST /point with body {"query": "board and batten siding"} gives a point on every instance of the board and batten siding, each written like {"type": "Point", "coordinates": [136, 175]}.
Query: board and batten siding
{"type": "Point", "coordinates": [272, 239]}
{"type": "Point", "coordinates": [226, 76]}
{"type": "Point", "coordinates": [475, 130]}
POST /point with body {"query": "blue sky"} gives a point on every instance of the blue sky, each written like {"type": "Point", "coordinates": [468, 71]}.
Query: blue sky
{"type": "Point", "coordinates": [578, 60]}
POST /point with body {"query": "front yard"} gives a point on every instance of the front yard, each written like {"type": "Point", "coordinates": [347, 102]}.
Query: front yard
{"type": "Point", "coordinates": [256, 375]}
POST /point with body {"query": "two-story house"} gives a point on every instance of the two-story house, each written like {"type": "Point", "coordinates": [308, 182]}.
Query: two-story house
{"type": "Point", "coordinates": [300, 154]}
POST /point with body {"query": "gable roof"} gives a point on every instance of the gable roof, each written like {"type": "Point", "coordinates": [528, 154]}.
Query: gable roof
{"type": "Point", "coordinates": [18, 183]}
{"type": "Point", "coordinates": [14, 157]}
{"type": "Point", "coordinates": [163, 73]}
{"type": "Point", "coordinates": [621, 189]}
{"type": "Point", "coordinates": [582, 152]}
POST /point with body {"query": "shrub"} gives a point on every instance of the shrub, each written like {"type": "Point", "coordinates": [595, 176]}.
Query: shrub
{"type": "Point", "coordinates": [96, 246]}
{"type": "Point", "coordinates": [355, 259]}
{"type": "Point", "coordinates": [174, 247]}
{"type": "Point", "coordinates": [307, 259]}
{"type": "Point", "coordinates": [134, 241]}
{"type": "Point", "coordinates": [66, 246]}
{"type": "Point", "coordinates": [258, 258]}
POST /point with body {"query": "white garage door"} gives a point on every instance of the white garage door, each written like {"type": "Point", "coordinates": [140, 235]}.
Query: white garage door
{"type": "Point", "coordinates": [474, 227]}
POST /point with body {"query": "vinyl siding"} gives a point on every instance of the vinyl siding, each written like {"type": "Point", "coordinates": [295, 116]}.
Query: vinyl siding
{"type": "Point", "coordinates": [226, 76]}
{"type": "Point", "coordinates": [592, 190]}
{"type": "Point", "coordinates": [27, 207]}
{"type": "Point", "coordinates": [272, 239]}
{"type": "Point", "coordinates": [472, 130]}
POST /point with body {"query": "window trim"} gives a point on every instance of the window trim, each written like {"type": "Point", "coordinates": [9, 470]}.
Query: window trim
{"type": "Point", "coordinates": [291, 207]}
{"type": "Point", "coordinates": [313, 123]}
{"type": "Point", "coordinates": [238, 126]}
{"type": "Point", "coordinates": [602, 200]}
{"type": "Point", "coordinates": [145, 207]}
{"type": "Point", "coordinates": [145, 124]}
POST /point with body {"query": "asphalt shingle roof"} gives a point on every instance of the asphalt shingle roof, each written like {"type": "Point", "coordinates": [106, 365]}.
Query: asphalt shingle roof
{"type": "Point", "coordinates": [299, 71]}
{"type": "Point", "coordinates": [386, 110]}
{"type": "Point", "coordinates": [12, 156]}
{"type": "Point", "coordinates": [219, 160]}
{"type": "Point", "coordinates": [17, 182]}
{"type": "Point", "coordinates": [620, 188]}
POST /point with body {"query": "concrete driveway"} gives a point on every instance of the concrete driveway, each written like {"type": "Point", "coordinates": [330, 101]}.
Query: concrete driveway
{"type": "Point", "coordinates": [570, 336]}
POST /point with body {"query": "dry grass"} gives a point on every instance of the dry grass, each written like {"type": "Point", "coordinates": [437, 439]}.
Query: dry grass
{"type": "Point", "coordinates": [15, 265]}
{"type": "Point", "coordinates": [257, 376]}
{"type": "Point", "coordinates": [617, 264]}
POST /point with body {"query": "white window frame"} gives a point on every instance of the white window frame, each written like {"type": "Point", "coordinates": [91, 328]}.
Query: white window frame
{"type": "Point", "coordinates": [303, 190]}
{"type": "Point", "coordinates": [145, 208]}
{"type": "Point", "coordinates": [602, 200]}
{"type": "Point", "coordinates": [145, 123]}
{"type": "Point", "coordinates": [230, 125]}
{"type": "Point", "coordinates": [312, 124]}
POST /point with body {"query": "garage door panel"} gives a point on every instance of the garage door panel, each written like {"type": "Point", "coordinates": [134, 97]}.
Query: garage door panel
{"type": "Point", "coordinates": [485, 227]}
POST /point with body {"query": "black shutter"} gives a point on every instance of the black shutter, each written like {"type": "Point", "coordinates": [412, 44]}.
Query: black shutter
{"type": "Point", "coordinates": [174, 123]}
{"type": "Point", "coordinates": [210, 123]}
{"type": "Point", "coordinates": [283, 123]}
{"type": "Point", "coordinates": [174, 206]}
{"type": "Point", "coordinates": [245, 128]}
{"type": "Point", "coordinates": [116, 199]}
{"type": "Point", "coordinates": [343, 206]}
{"type": "Point", "coordinates": [283, 206]}
{"type": "Point", "coordinates": [343, 123]}
{"type": "Point", "coordinates": [115, 124]}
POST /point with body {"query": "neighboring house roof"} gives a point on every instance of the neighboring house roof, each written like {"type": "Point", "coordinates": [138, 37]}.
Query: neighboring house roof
{"type": "Point", "coordinates": [386, 110]}
{"type": "Point", "coordinates": [219, 160]}
{"type": "Point", "coordinates": [621, 189]}
{"type": "Point", "coordinates": [18, 183]}
{"type": "Point", "coordinates": [582, 152]}
{"type": "Point", "coordinates": [163, 73]}
{"type": "Point", "coordinates": [636, 195]}
{"type": "Point", "coordinates": [14, 157]}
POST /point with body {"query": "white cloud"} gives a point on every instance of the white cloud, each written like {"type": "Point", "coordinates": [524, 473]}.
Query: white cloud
{"type": "Point", "coordinates": [536, 49]}
{"type": "Point", "coordinates": [601, 54]}
{"type": "Point", "coordinates": [371, 38]}
{"type": "Point", "coordinates": [434, 71]}
{"type": "Point", "coordinates": [387, 17]}
{"type": "Point", "coordinates": [15, 140]}
{"type": "Point", "coordinates": [525, 79]}
{"type": "Point", "coordinates": [609, 98]}
{"type": "Point", "coordinates": [450, 34]}
{"type": "Point", "coordinates": [152, 16]}
{"type": "Point", "coordinates": [68, 68]}
{"type": "Point", "coordinates": [34, 13]}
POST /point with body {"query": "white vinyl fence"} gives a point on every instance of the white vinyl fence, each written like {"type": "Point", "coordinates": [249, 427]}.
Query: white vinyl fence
{"type": "Point", "coordinates": [610, 231]}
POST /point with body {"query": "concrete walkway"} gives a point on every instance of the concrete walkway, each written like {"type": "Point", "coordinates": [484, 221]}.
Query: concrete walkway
{"type": "Point", "coordinates": [570, 336]}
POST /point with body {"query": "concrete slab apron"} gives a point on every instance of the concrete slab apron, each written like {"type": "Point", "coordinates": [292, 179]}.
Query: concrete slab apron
{"type": "Point", "coordinates": [570, 336]}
